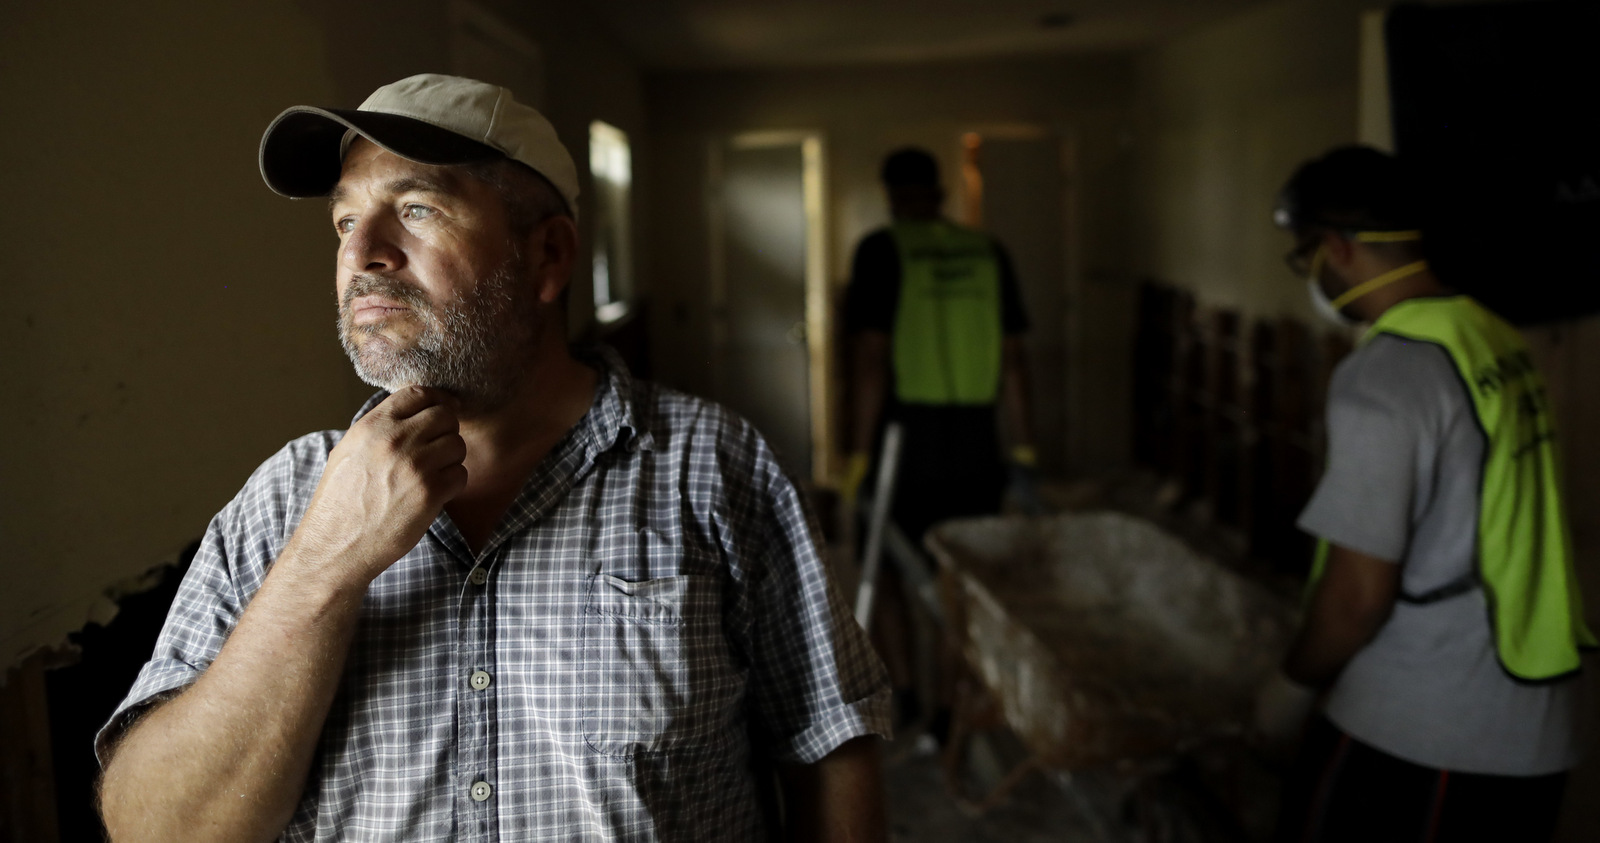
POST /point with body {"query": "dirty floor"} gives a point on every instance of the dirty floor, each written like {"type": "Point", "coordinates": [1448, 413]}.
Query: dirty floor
{"type": "Point", "coordinates": [1093, 807]}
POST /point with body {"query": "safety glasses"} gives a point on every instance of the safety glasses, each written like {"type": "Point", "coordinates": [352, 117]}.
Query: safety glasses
{"type": "Point", "coordinates": [1299, 258]}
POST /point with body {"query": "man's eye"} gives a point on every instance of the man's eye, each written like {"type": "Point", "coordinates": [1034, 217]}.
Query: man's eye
{"type": "Point", "coordinates": [417, 212]}
{"type": "Point", "coordinates": [344, 226]}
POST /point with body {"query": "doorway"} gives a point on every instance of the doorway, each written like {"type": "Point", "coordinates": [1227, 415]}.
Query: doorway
{"type": "Point", "coordinates": [768, 292]}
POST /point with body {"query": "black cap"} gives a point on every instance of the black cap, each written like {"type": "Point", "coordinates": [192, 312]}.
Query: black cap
{"type": "Point", "coordinates": [1352, 188]}
{"type": "Point", "coordinates": [910, 167]}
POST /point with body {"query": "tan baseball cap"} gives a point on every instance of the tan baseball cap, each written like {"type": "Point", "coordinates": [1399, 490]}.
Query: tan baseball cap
{"type": "Point", "coordinates": [430, 119]}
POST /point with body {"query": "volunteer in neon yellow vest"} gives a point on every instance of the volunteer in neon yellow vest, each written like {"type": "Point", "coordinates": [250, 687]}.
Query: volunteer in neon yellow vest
{"type": "Point", "coordinates": [935, 322]}
{"type": "Point", "coordinates": [1443, 623]}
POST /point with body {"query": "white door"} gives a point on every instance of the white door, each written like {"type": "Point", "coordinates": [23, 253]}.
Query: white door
{"type": "Point", "coordinates": [760, 257]}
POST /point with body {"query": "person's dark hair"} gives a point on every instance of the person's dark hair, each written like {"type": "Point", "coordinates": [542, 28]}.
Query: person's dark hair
{"type": "Point", "coordinates": [910, 167]}
{"type": "Point", "coordinates": [1351, 188]}
{"type": "Point", "coordinates": [530, 198]}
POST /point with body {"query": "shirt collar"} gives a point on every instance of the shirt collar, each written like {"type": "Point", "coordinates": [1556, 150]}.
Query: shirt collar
{"type": "Point", "coordinates": [375, 400]}
{"type": "Point", "coordinates": [613, 420]}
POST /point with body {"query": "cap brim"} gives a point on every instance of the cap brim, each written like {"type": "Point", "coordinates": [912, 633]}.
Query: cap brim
{"type": "Point", "coordinates": [300, 151]}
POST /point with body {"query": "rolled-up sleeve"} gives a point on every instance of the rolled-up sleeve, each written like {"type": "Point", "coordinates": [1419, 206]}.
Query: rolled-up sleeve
{"type": "Point", "coordinates": [202, 615]}
{"type": "Point", "coordinates": [815, 680]}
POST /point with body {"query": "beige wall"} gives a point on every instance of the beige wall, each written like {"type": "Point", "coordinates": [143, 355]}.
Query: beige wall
{"type": "Point", "coordinates": [169, 321]}
{"type": "Point", "coordinates": [1225, 114]}
{"type": "Point", "coordinates": [863, 112]}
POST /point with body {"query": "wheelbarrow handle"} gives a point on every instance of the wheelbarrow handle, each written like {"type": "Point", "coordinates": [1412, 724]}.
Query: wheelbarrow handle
{"type": "Point", "coordinates": [882, 499]}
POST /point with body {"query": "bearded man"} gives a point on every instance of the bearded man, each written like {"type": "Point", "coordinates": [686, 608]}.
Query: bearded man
{"type": "Point", "coordinates": [524, 596]}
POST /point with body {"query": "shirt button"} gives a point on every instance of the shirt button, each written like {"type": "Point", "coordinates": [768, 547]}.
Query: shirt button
{"type": "Point", "coordinates": [480, 680]}
{"type": "Point", "coordinates": [481, 791]}
{"type": "Point", "coordinates": [479, 576]}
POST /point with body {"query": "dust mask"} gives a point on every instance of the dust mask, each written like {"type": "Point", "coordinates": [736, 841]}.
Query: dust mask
{"type": "Point", "coordinates": [1320, 301]}
{"type": "Point", "coordinates": [1324, 306]}
{"type": "Point", "coordinates": [1333, 310]}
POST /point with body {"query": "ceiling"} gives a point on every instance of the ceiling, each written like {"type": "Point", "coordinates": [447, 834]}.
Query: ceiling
{"type": "Point", "coordinates": [677, 34]}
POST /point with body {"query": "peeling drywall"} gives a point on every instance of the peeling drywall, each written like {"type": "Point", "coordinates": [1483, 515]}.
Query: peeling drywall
{"type": "Point", "coordinates": [50, 628]}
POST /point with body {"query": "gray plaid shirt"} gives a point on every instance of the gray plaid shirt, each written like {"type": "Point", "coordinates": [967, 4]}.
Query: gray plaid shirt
{"type": "Point", "coordinates": [650, 625]}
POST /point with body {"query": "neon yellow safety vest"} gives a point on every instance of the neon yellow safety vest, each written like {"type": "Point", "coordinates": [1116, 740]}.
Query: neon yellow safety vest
{"type": "Point", "coordinates": [947, 332]}
{"type": "Point", "coordinates": [1525, 563]}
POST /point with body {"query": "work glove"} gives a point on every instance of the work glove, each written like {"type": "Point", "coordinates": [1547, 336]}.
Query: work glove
{"type": "Point", "coordinates": [1281, 708]}
{"type": "Point", "coordinates": [1022, 471]}
{"type": "Point", "coordinates": [855, 471]}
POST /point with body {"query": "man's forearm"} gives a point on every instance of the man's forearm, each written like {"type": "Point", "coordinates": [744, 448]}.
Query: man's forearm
{"type": "Point", "coordinates": [870, 388]}
{"type": "Point", "coordinates": [1319, 655]}
{"type": "Point", "coordinates": [1017, 391]}
{"type": "Point", "coordinates": [838, 799]}
{"type": "Point", "coordinates": [869, 409]}
{"type": "Point", "coordinates": [1351, 603]}
{"type": "Point", "coordinates": [228, 758]}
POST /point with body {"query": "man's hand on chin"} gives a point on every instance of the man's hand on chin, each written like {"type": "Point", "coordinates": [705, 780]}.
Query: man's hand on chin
{"type": "Point", "coordinates": [385, 483]}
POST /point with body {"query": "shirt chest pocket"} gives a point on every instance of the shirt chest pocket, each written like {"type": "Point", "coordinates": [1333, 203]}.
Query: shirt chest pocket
{"type": "Point", "coordinates": [657, 673]}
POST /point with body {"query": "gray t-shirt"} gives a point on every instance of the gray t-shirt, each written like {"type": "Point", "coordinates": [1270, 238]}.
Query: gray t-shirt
{"type": "Point", "coordinates": [1405, 459]}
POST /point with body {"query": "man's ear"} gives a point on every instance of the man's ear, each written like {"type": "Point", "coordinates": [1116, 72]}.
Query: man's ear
{"type": "Point", "coordinates": [554, 248]}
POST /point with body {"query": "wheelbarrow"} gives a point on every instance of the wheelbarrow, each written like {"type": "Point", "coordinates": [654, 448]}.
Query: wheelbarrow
{"type": "Point", "coordinates": [1100, 640]}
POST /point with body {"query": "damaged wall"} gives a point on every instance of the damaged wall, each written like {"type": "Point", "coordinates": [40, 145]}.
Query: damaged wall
{"type": "Point", "coordinates": [170, 320]}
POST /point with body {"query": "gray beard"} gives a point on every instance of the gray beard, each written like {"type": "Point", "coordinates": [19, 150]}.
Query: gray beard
{"type": "Point", "coordinates": [470, 345]}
